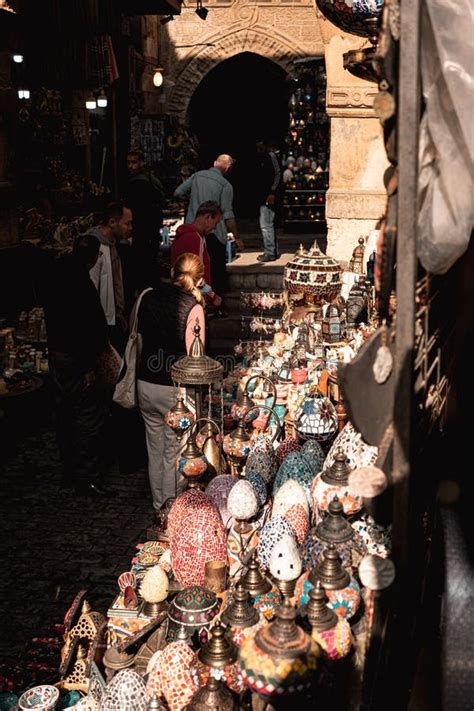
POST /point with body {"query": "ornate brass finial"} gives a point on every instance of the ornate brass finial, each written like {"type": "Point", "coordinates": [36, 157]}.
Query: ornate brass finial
{"type": "Point", "coordinates": [286, 587]}
{"type": "Point", "coordinates": [320, 616]}
{"type": "Point", "coordinates": [330, 572]}
{"type": "Point", "coordinates": [214, 696]}
{"type": "Point", "coordinates": [254, 581]}
{"type": "Point", "coordinates": [338, 472]}
{"type": "Point", "coordinates": [197, 347]}
{"type": "Point", "coordinates": [335, 528]}
{"type": "Point", "coordinates": [240, 612]}
{"type": "Point", "coordinates": [282, 637]}
{"type": "Point", "coordinates": [218, 652]}
{"type": "Point", "coordinates": [197, 368]}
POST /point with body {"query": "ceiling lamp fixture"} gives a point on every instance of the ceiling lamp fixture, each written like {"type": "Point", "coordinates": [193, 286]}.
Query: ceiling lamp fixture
{"type": "Point", "coordinates": [158, 77]}
{"type": "Point", "coordinates": [24, 93]}
{"type": "Point", "coordinates": [17, 58]}
{"type": "Point", "coordinates": [165, 20]}
{"type": "Point", "coordinates": [91, 104]}
{"type": "Point", "coordinates": [201, 11]}
{"type": "Point", "coordinates": [102, 101]}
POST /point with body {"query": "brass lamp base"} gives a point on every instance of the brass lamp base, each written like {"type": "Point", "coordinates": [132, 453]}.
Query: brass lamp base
{"type": "Point", "coordinates": [153, 609]}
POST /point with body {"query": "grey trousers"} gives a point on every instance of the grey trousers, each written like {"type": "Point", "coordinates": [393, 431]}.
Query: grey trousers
{"type": "Point", "coordinates": [162, 444]}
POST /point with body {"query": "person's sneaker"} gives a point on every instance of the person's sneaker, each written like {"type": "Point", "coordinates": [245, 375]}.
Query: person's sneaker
{"type": "Point", "coordinates": [267, 258]}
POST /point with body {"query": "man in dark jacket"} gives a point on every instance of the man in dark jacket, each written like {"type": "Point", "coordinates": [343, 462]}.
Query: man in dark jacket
{"type": "Point", "coordinates": [77, 335]}
{"type": "Point", "coordinates": [145, 197]}
{"type": "Point", "coordinates": [269, 181]}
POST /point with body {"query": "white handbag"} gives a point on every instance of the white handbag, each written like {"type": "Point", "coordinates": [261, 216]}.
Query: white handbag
{"type": "Point", "coordinates": [125, 393]}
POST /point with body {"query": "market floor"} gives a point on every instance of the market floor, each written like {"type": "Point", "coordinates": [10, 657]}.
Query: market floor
{"type": "Point", "coordinates": [55, 545]}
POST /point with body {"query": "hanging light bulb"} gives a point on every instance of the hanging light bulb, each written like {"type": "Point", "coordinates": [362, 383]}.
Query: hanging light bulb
{"type": "Point", "coordinates": [91, 104]}
{"type": "Point", "coordinates": [17, 58]}
{"type": "Point", "coordinates": [158, 77]}
{"type": "Point", "coordinates": [102, 101]}
{"type": "Point", "coordinates": [24, 93]}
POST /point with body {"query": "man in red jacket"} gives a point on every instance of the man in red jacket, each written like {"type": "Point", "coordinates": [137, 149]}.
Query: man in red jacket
{"type": "Point", "coordinates": [191, 238]}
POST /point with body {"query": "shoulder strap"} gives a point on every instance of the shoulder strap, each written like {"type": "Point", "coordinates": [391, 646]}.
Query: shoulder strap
{"type": "Point", "coordinates": [139, 301]}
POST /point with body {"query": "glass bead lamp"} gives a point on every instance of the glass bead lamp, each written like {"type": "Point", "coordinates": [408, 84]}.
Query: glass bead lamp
{"type": "Point", "coordinates": [334, 528]}
{"type": "Point", "coordinates": [281, 659]}
{"type": "Point", "coordinates": [334, 481]}
{"type": "Point", "coordinates": [179, 418]}
{"type": "Point", "coordinates": [193, 608]}
{"type": "Point", "coordinates": [200, 539]}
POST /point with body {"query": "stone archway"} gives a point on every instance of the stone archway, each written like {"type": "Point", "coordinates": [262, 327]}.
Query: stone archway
{"type": "Point", "coordinates": [257, 40]}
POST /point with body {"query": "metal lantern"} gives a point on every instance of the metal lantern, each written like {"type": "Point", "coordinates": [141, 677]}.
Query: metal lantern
{"type": "Point", "coordinates": [197, 370]}
{"type": "Point", "coordinates": [237, 446]}
{"type": "Point", "coordinates": [331, 326]}
{"type": "Point", "coordinates": [356, 264]}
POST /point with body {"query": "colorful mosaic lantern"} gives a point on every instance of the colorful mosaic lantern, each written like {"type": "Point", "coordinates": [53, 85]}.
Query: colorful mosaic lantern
{"type": "Point", "coordinates": [179, 418]}
{"type": "Point", "coordinates": [290, 444]}
{"type": "Point", "coordinates": [258, 484]}
{"type": "Point", "coordinates": [357, 452]}
{"type": "Point", "coordinates": [316, 418]}
{"type": "Point", "coordinates": [313, 455]}
{"type": "Point", "coordinates": [281, 659]}
{"type": "Point", "coordinates": [189, 502]}
{"type": "Point", "coordinates": [262, 460]}
{"type": "Point", "coordinates": [127, 690]}
{"type": "Point", "coordinates": [218, 492]}
{"type": "Point", "coordinates": [191, 463]}
{"type": "Point", "coordinates": [171, 676]}
{"type": "Point", "coordinates": [312, 276]}
{"type": "Point", "coordinates": [193, 608]}
{"type": "Point", "coordinates": [334, 528]}
{"type": "Point", "coordinates": [332, 482]}
{"type": "Point", "coordinates": [218, 658]}
{"type": "Point", "coordinates": [289, 494]}
{"type": "Point", "coordinates": [237, 446]}
{"type": "Point", "coordinates": [332, 633]}
{"type": "Point", "coordinates": [377, 538]}
{"type": "Point", "coordinates": [295, 468]}
{"type": "Point", "coordinates": [243, 502]}
{"type": "Point", "coordinates": [298, 519]}
{"type": "Point", "coordinates": [342, 589]}
{"type": "Point", "coordinates": [200, 539]}
{"type": "Point", "coordinates": [270, 534]}
{"type": "Point", "coordinates": [285, 561]}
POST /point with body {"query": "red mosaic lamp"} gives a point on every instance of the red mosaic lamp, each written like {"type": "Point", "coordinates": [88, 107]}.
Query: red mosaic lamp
{"type": "Point", "coordinates": [179, 418]}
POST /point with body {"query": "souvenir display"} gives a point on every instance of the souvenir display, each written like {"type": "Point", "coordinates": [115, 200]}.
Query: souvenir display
{"type": "Point", "coordinates": [312, 276]}
{"type": "Point", "coordinates": [334, 481]}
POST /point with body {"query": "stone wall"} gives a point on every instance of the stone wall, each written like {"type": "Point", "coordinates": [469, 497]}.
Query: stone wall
{"type": "Point", "coordinates": [280, 30]}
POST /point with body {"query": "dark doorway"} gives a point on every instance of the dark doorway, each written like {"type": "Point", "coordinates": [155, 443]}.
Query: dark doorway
{"type": "Point", "coordinates": [241, 100]}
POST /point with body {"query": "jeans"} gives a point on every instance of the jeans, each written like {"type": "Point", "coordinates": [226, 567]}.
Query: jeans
{"type": "Point", "coordinates": [161, 442]}
{"type": "Point", "coordinates": [267, 226]}
{"type": "Point", "coordinates": [80, 416]}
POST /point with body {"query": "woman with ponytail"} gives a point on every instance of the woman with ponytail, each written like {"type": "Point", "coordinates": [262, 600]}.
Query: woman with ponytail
{"type": "Point", "coordinates": [166, 320]}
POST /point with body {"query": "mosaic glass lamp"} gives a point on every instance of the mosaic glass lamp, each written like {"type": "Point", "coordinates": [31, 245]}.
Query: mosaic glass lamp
{"type": "Point", "coordinates": [357, 452]}
{"type": "Point", "coordinates": [334, 481]}
{"type": "Point", "coordinates": [313, 455]}
{"type": "Point", "coordinates": [341, 588]}
{"type": "Point", "coordinates": [237, 446]}
{"type": "Point", "coordinates": [191, 463]}
{"type": "Point", "coordinates": [289, 494]}
{"type": "Point", "coordinates": [179, 418]}
{"type": "Point", "coordinates": [218, 491]}
{"type": "Point", "coordinates": [297, 517]}
{"type": "Point", "coordinates": [258, 484]}
{"type": "Point", "coordinates": [172, 676]}
{"type": "Point", "coordinates": [218, 658]}
{"type": "Point", "coordinates": [200, 539]}
{"type": "Point", "coordinates": [127, 690]}
{"type": "Point", "coordinates": [243, 503]}
{"type": "Point", "coordinates": [316, 418]}
{"type": "Point", "coordinates": [281, 659]}
{"type": "Point", "coordinates": [189, 502]}
{"type": "Point", "coordinates": [193, 608]}
{"type": "Point", "coordinates": [332, 633]}
{"type": "Point", "coordinates": [270, 534]}
{"type": "Point", "coordinates": [290, 444]}
{"type": "Point", "coordinates": [295, 468]}
{"type": "Point", "coordinates": [334, 528]}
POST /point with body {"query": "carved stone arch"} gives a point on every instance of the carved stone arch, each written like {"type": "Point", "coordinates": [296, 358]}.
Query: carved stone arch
{"type": "Point", "coordinates": [257, 40]}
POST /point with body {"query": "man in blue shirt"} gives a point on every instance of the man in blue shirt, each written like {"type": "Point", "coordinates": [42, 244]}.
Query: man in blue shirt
{"type": "Point", "coordinates": [203, 186]}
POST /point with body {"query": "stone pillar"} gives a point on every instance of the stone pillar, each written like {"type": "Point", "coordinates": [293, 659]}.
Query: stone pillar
{"type": "Point", "coordinates": [356, 198]}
